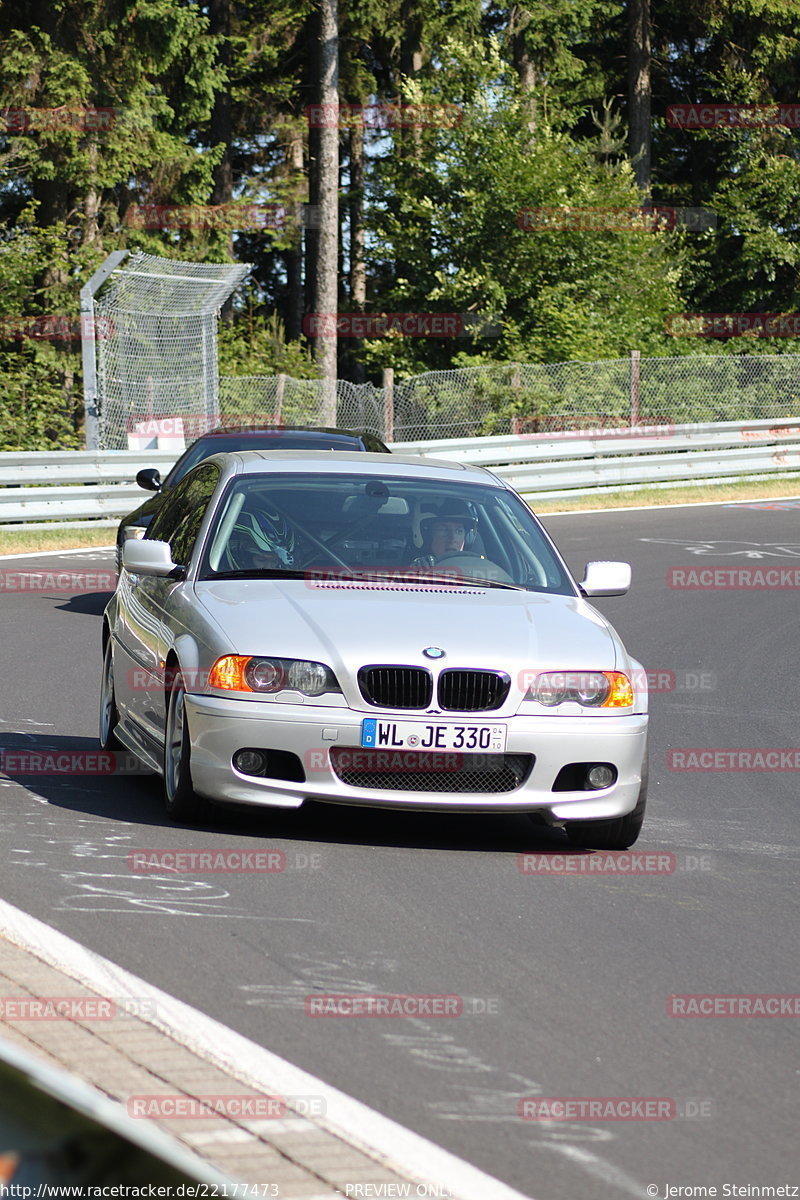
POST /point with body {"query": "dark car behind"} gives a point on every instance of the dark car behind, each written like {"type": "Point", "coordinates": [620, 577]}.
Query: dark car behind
{"type": "Point", "coordinates": [230, 438]}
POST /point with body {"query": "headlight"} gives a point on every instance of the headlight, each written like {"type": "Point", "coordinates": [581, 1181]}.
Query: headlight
{"type": "Point", "coordinates": [242, 673]}
{"type": "Point", "coordinates": [309, 677]}
{"type": "Point", "coordinates": [590, 689]}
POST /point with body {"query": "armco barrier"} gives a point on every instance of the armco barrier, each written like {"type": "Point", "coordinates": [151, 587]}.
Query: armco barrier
{"type": "Point", "coordinates": [88, 487]}
{"type": "Point", "coordinates": [56, 1130]}
{"type": "Point", "coordinates": [73, 487]}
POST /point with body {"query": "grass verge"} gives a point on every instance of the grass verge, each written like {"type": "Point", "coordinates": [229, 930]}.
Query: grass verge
{"type": "Point", "coordinates": [24, 541]}
{"type": "Point", "coordinates": [771, 489]}
{"type": "Point", "coordinates": [27, 542]}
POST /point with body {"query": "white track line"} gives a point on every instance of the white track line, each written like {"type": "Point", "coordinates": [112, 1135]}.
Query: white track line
{"type": "Point", "coordinates": [582, 512]}
{"type": "Point", "coordinates": [50, 553]}
{"type": "Point", "coordinates": [399, 1148]}
{"type": "Point", "coordinates": [566, 512]}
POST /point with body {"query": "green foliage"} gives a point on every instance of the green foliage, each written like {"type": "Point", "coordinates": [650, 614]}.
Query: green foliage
{"type": "Point", "coordinates": [258, 346]}
{"type": "Point", "coordinates": [542, 91]}
{"type": "Point", "coordinates": [454, 222]}
{"type": "Point", "coordinates": [42, 403]}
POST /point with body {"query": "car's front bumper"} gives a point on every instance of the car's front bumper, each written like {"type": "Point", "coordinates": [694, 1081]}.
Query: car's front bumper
{"type": "Point", "coordinates": [219, 727]}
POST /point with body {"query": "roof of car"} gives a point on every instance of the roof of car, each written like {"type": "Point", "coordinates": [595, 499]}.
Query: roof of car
{"type": "Point", "coordinates": [348, 461]}
{"type": "Point", "coordinates": [325, 431]}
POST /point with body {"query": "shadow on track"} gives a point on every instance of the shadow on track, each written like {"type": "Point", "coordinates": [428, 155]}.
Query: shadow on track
{"type": "Point", "coordinates": [87, 603]}
{"type": "Point", "coordinates": [74, 774]}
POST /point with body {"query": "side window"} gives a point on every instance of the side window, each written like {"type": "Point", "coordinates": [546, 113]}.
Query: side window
{"type": "Point", "coordinates": [180, 519]}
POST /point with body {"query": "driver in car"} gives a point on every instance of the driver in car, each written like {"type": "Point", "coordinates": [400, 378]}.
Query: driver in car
{"type": "Point", "coordinates": [446, 532]}
{"type": "Point", "coordinates": [259, 541]}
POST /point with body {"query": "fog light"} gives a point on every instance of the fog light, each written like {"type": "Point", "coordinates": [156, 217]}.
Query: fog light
{"type": "Point", "coordinates": [600, 776]}
{"type": "Point", "coordinates": [250, 762]}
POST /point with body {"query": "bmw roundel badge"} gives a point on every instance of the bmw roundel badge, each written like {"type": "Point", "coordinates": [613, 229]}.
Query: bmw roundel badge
{"type": "Point", "coordinates": [433, 652]}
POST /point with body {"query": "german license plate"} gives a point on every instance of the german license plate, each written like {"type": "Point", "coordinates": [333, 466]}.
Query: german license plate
{"type": "Point", "coordinates": [421, 735]}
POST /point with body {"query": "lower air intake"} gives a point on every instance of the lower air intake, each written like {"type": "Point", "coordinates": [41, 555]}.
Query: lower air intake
{"type": "Point", "coordinates": [430, 771]}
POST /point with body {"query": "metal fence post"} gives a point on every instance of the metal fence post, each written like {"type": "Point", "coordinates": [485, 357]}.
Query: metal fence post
{"type": "Point", "coordinates": [636, 362]}
{"type": "Point", "coordinates": [280, 389]}
{"type": "Point", "coordinates": [88, 343]}
{"type": "Point", "coordinates": [388, 403]}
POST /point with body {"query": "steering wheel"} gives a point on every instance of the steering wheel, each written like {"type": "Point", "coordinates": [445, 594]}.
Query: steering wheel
{"type": "Point", "coordinates": [482, 568]}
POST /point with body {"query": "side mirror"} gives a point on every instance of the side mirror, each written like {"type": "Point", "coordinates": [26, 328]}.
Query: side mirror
{"type": "Point", "coordinates": [148, 558]}
{"type": "Point", "coordinates": [149, 478]}
{"type": "Point", "coordinates": [606, 579]}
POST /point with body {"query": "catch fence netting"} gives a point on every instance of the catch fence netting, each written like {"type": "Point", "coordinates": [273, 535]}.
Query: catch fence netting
{"type": "Point", "coordinates": [536, 397]}
{"type": "Point", "coordinates": [155, 332]}
{"type": "Point", "coordinates": [158, 382]}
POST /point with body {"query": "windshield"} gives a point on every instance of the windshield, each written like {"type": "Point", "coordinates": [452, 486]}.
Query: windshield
{"type": "Point", "coordinates": [343, 526]}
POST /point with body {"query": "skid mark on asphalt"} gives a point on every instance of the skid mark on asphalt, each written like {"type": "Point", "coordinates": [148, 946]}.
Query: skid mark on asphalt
{"type": "Point", "coordinates": [486, 1104]}
{"type": "Point", "coordinates": [166, 893]}
{"type": "Point", "coordinates": [600, 1169]}
{"type": "Point", "coordinates": [435, 1049]}
{"type": "Point", "coordinates": [99, 892]}
{"type": "Point", "coordinates": [431, 1047]}
{"type": "Point", "coordinates": [727, 548]}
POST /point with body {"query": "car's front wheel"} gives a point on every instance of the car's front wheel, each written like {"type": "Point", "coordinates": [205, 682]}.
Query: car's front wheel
{"type": "Point", "coordinates": [618, 833]}
{"type": "Point", "coordinates": [109, 716]}
{"type": "Point", "coordinates": [180, 799]}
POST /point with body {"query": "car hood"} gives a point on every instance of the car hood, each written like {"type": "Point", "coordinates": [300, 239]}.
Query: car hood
{"type": "Point", "coordinates": [350, 625]}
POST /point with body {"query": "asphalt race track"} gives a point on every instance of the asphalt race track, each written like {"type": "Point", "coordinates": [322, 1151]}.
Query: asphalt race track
{"type": "Point", "coordinates": [565, 979]}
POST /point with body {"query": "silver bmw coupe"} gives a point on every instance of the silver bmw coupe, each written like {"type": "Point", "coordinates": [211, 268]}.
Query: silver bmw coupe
{"type": "Point", "coordinates": [392, 632]}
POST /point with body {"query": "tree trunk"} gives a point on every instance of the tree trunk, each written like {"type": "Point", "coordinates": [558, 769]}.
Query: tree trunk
{"type": "Point", "coordinates": [326, 273]}
{"type": "Point", "coordinates": [294, 256]}
{"type": "Point", "coordinates": [639, 91]}
{"type": "Point", "coordinates": [91, 208]}
{"type": "Point", "coordinates": [221, 126]}
{"type": "Point", "coordinates": [523, 64]}
{"type": "Point", "coordinates": [410, 66]}
{"type": "Point", "coordinates": [357, 243]}
{"type": "Point", "coordinates": [358, 266]}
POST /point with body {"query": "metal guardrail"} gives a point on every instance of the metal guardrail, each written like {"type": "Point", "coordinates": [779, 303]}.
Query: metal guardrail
{"type": "Point", "coordinates": [97, 488]}
{"type": "Point", "coordinates": [74, 487]}
{"type": "Point", "coordinates": [55, 1130]}
{"type": "Point", "coordinates": [551, 465]}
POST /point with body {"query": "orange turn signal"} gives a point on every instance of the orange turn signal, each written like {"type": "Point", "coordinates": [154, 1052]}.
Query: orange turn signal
{"type": "Point", "coordinates": [621, 694]}
{"type": "Point", "coordinates": [228, 673]}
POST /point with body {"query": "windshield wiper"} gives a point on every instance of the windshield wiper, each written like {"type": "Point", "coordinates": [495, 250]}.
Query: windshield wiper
{"type": "Point", "coordinates": [414, 575]}
{"type": "Point", "coordinates": [266, 573]}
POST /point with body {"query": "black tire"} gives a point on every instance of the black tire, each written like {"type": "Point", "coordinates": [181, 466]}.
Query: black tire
{"type": "Point", "coordinates": [180, 799]}
{"type": "Point", "coordinates": [109, 714]}
{"type": "Point", "coordinates": [616, 834]}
